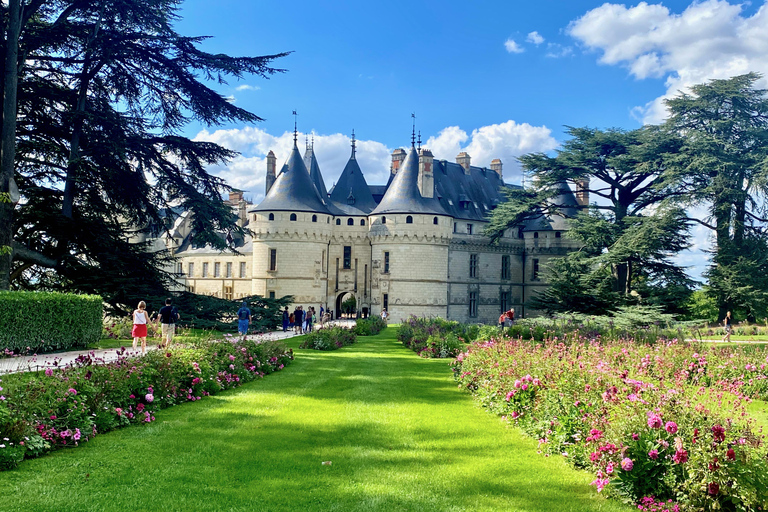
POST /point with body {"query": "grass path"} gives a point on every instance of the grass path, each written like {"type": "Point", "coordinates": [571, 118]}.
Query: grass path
{"type": "Point", "coordinates": [397, 431]}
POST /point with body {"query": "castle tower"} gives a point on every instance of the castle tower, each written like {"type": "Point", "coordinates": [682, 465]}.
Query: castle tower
{"type": "Point", "coordinates": [271, 171]}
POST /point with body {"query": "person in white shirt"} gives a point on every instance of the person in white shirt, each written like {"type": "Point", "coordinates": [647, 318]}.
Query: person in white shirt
{"type": "Point", "coordinates": [140, 321]}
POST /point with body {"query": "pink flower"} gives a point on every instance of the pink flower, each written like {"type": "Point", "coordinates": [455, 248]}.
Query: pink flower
{"type": "Point", "coordinates": [524, 387]}
{"type": "Point", "coordinates": [609, 468]}
{"type": "Point", "coordinates": [635, 436]}
{"type": "Point", "coordinates": [77, 435]}
{"type": "Point", "coordinates": [653, 454]}
{"type": "Point", "coordinates": [509, 396]}
{"type": "Point", "coordinates": [231, 357]}
{"type": "Point", "coordinates": [517, 384]}
{"type": "Point", "coordinates": [48, 372]}
{"type": "Point", "coordinates": [680, 457]}
{"type": "Point", "coordinates": [149, 398]}
{"type": "Point", "coordinates": [730, 454]}
{"type": "Point", "coordinates": [671, 427]}
{"type": "Point", "coordinates": [536, 382]}
{"type": "Point", "coordinates": [72, 391]}
{"type": "Point", "coordinates": [600, 483]}
{"type": "Point", "coordinates": [654, 420]}
{"type": "Point", "coordinates": [627, 464]}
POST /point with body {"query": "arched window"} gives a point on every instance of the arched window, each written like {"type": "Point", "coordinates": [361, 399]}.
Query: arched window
{"type": "Point", "coordinates": [434, 221]}
{"type": "Point", "coordinates": [271, 216]}
{"type": "Point", "coordinates": [383, 220]}
{"type": "Point", "coordinates": [338, 222]}
{"type": "Point", "coordinates": [536, 234]}
{"type": "Point", "coordinates": [314, 218]}
{"type": "Point", "coordinates": [293, 216]}
{"type": "Point", "coordinates": [409, 220]}
{"type": "Point", "coordinates": [350, 222]}
{"type": "Point", "coordinates": [362, 222]}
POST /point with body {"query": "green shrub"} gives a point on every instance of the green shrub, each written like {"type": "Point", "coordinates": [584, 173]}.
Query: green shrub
{"type": "Point", "coordinates": [369, 326]}
{"type": "Point", "coordinates": [436, 337]}
{"type": "Point", "coordinates": [48, 321]}
{"type": "Point", "coordinates": [330, 338]}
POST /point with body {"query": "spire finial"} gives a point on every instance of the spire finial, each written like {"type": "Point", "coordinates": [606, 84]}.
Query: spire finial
{"type": "Point", "coordinates": [313, 142]}
{"type": "Point", "coordinates": [353, 143]}
{"type": "Point", "coordinates": [419, 141]}
{"type": "Point", "coordinates": [413, 133]}
{"type": "Point", "coordinates": [295, 128]}
{"type": "Point", "coordinates": [306, 142]}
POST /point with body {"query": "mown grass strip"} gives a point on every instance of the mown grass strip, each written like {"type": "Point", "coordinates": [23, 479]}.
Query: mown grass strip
{"type": "Point", "coordinates": [397, 431]}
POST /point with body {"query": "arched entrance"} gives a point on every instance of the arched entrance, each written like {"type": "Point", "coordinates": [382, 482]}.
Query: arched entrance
{"type": "Point", "coordinates": [346, 305]}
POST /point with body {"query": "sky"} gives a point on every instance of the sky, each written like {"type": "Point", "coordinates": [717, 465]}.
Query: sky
{"type": "Point", "coordinates": [496, 79]}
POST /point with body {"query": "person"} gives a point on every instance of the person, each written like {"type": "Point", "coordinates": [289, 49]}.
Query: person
{"type": "Point", "coordinates": [384, 315]}
{"type": "Point", "coordinates": [298, 316]}
{"type": "Point", "coordinates": [292, 321]}
{"type": "Point", "coordinates": [728, 324]}
{"type": "Point", "coordinates": [168, 316]}
{"type": "Point", "coordinates": [243, 319]}
{"type": "Point", "coordinates": [307, 314]}
{"type": "Point", "coordinates": [140, 321]}
{"type": "Point", "coordinates": [286, 319]}
{"type": "Point", "coordinates": [310, 318]}
{"type": "Point", "coordinates": [502, 320]}
{"type": "Point", "coordinates": [510, 318]}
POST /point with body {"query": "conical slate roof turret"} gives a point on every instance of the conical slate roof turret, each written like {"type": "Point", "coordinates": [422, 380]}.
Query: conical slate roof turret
{"type": "Point", "coordinates": [403, 194]}
{"type": "Point", "coordinates": [352, 189]}
{"type": "Point", "coordinates": [310, 161]}
{"type": "Point", "coordinates": [293, 189]}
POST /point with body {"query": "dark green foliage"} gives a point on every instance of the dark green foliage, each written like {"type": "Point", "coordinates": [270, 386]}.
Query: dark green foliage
{"type": "Point", "coordinates": [369, 326]}
{"type": "Point", "coordinates": [330, 338]}
{"type": "Point", "coordinates": [34, 322]}
{"type": "Point", "coordinates": [435, 337]}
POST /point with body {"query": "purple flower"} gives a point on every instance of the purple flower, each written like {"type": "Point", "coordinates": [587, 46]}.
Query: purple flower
{"type": "Point", "coordinates": [627, 464]}
{"type": "Point", "coordinates": [653, 454]}
{"type": "Point", "coordinates": [48, 372]}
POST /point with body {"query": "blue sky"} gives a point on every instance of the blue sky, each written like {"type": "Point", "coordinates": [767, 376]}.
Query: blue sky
{"type": "Point", "coordinates": [496, 79]}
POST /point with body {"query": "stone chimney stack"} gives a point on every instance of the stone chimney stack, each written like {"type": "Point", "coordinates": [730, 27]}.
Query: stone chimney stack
{"type": "Point", "coordinates": [496, 166]}
{"type": "Point", "coordinates": [235, 196]}
{"type": "Point", "coordinates": [582, 192]}
{"type": "Point", "coordinates": [463, 160]}
{"type": "Point", "coordinates": [426, 179]}
{"type": "Point", "coordinates": [398, 156]}
{"type": "Point", "coordinates": [271, 175]}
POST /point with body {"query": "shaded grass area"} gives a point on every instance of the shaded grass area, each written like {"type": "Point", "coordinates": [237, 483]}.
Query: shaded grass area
{"type": "Point", "coordinates": [397, 431]}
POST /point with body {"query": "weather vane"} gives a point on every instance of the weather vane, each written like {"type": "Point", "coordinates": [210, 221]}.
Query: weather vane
{"type": "Point", "coordinates": [295, 127]}
{"type": "Point", "coordinates": [413, 133]}
{"type": "Point", "coordinates": [353, 143]}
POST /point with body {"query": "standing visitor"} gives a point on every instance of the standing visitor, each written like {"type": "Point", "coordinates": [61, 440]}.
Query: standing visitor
{"type": "Point", "coordinates": [298, 318]}
{"type": "Point", "coordinates": [310, 318]}
{"type": "Point", "coordinates": [243, 319]}
{"type": "Point", "coordinates": [286, 319]}
{"type": "Point", "coordinates": [728, 324]}
{"type": "Point", "coordinates": [168, 316]}
{"type": "Point", "coordinates": [140, 321]}
{"type": "Point", "coordinates": [502, 320]}
{"type": "Point", "coordinates": [384, 315]}
{"type": "Point", "coordinates": [510, 318]}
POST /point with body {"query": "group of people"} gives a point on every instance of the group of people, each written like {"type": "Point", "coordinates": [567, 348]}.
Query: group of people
{"type": "Point", "coordinates": [507, 318]}
{"type": "Point", "coordinates": [301, 320]}
{"type": "Point", "coordinates": [167, 317]}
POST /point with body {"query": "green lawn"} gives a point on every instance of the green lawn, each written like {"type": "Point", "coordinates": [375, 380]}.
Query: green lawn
{"type": "Point", "coordinates": [398, 433]}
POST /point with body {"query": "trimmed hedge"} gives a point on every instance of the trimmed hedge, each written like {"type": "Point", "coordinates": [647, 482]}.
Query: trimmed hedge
{"type": "Point", "coordinates": [369, 326]}
{"type": "Point", "coordinates": [48, 321]}
{"type": "Point", "coordinates": [330, 338]}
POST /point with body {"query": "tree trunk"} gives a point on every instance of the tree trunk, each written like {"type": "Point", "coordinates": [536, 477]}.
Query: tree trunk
{"type": "Point", "coordinates": [8, 137]}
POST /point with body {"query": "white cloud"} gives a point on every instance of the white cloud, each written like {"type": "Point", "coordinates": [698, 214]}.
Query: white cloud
{"type": "Point", "coordinates": [556, 51]}
{"type": "Point", "coordinates": [708, 40]}
{"type": "Point", "coordinates": [535, 38]}
{"type": "Point", "coordinates": [512, 46]}
{"type": "Point", "coordinates": [246, 87]}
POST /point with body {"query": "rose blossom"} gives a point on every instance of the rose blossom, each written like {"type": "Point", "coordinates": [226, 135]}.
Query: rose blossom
{"type": "Point", "coordinates": [627, 464]}
{"type": "Point", "coordinates": [671, 427]}
{"type": "Point", "coordinates": [149, 397]}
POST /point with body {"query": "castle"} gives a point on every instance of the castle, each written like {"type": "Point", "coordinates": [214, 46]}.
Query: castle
{"type": "Point", "coordinates": [414, 246]}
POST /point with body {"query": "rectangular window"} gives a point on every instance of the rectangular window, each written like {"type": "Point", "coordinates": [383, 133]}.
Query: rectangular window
{"type": "Point", "coordinates": [504, 301]}
{"type": "Point", "coordinates": [386, 263]}
{"type": "Point", "coordinates": [179, 268]}
{"type": "Point", "coordinates": [472, 304]}
{"type": "Point", "coordinates": [347, 257]}
{"type": "Point", "coordinates": [337, 274]}
{"type": "Point", "coordinates": [242, 269]}
{"type": "Point", "coordinates": [322, 262]}
{"type": "Point", "coordinates": [386, 301]}
{"type": "Point", "coordinates": [469, 229]}
{"type": "Point", "coordinates": [205, 269]}
{"type": "Point", "coordinates": [535, 273]}
{"type": "Point", "coordinates": [272, 260]}
{"type": "Point", "coordinates": [473, 265]}
{"type": "Point", "coordinates": [217, 269]}
{"type": "Point", "coordinates": [455, 227]}
{"type": "Point", "coordinates": [365, 281]}
{"type": "Point", "coordinates": [271, 294]}
{"type": "Point", "coordinates": [228, 292]}
{"type": "Point", "coordinates": [505, 267]}
{"type": "Point", "coordinates": [229, 269]}
{"type": "Point", "coordinates": [191, 269]}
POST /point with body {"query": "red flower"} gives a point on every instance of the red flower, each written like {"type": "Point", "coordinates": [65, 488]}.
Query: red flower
{"type": "Point", "coordinates": [730, 454]}
{"type": "Point", "coordinates": [713, 488]}
{"type": "Point", "coordinates": [718, 433]}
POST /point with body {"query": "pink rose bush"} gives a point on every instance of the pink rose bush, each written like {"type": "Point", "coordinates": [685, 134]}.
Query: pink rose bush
{"type": "Point", "coordinates": [68, 406]}
{"type": "Point", "coordinates": [662, 425]}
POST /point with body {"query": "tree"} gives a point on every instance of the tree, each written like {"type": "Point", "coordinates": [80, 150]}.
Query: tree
{"type": "Point", "coordinates": [627, 236]}
{"type": "Point", "coordinates": [723, 164]}
{"type": "Point", "coordinates": [104, 90]}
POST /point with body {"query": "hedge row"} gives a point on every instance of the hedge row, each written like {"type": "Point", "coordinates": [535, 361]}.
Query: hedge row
{"type": "Point", "coordinates": [48, 321]}
{"type": "Point", "coordinates": [330, 338]}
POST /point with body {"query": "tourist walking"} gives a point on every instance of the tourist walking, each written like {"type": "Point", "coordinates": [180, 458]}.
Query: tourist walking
{"type": "Point", "coordinates": [140, 321]}
{"type": "Point", "coordinates": [502, 319]}
{"type": "Point", "coordinates": [298, 318]}
{"type": "Point", "coordinates": [168, 316]}
{"type": "Point", "coordinates": [286, 319]}
{"type": "Point", "coordinates": [728, 324]}
{"type": "Point", "coordinates": [384, 315]}
{"type": "Point", "coordinates": [310, 319]}
{"type": "Point", "coordinates": [243, 319]}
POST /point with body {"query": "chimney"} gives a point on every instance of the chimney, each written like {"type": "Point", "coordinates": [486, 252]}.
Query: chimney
{"type": "Point", "coordinates": [235, 196]}
{"type": "Point", "coordinates": [496, 166]}
{"type": "Point", "coordinates": [271, 176]}
{"type": "Point", "coordinates": [582, 192]}
{"type": "Point", "coordinates": [398, 156]}
{"type": "Point", "coordinates": [426, 179]}
{"type": "Point", "coordinates": [463, 160]}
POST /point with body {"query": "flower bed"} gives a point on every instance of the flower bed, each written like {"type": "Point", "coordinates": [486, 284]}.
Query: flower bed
{"type": "Point", "coordinates": [330, 338]}
{"type": "Point", "coordinates": [57, 408]}
{"type": "Point", "coordinates": [369, 326]}
{"type": "Point", "coordinates": [653, 422]}
{"type": "Point", "coordinates": [434, 337]}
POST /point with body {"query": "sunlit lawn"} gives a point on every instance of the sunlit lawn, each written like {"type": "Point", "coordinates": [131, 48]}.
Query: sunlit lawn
{"type": "Point", "coordinates": [394, 428]}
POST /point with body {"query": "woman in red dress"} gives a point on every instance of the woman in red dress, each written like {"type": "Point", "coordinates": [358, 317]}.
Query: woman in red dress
{"type": "Point", "coordinates": [140, 321]}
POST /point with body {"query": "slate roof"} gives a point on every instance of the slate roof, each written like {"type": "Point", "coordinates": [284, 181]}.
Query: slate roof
{"type": "Point", "coordinates": [567, 205]}
{"type": "Point", "coordinates": [293, 189]}
{"type": "Point", "coordinates": [403, 194]}
{"type": "Point", "coordinates": [310, 162]}
{"type": "Point", "coordinates": [351, 189]}
{"type": "Point", "coordinates": [467, 196]}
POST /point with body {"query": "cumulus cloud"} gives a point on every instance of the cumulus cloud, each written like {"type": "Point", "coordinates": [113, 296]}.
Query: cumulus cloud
{"type": "Point", "coordinates": [556, 51]}
{"type": "Point", "coordinates": [708, 40]}
{"type": "Point", "coordinates": [512, 46]}
{"type": "Point", "coordinates": [535, 38]}
{"type": "Point", "coordinates": [246, 87]}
